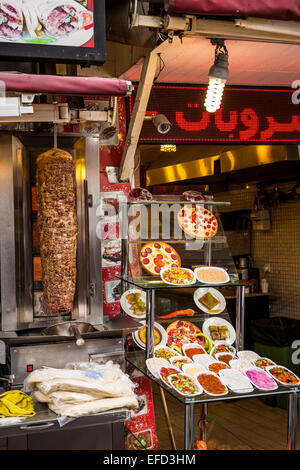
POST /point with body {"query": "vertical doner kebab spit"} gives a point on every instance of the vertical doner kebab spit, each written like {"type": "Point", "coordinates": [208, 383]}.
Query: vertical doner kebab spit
{"type": "Point", "coordinates": [57, 222]}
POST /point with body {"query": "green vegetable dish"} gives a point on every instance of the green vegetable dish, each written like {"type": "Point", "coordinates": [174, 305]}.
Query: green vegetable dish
{"type": "Point", "coordinates": [184, 384]}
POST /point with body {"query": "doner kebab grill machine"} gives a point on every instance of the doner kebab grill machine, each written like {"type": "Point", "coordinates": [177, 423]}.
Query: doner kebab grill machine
{"type": "Point", "coordinates": [58, 318]}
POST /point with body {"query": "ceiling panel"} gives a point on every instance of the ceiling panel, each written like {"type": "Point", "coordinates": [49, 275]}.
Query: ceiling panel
{"type": "Point", "coordinates": [250, 63]}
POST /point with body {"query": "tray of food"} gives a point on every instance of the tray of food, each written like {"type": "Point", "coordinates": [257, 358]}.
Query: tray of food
{"type": "Point", "coordinates": [165, 353]}
{"type": "Point", "coordinates": [155, 363]}
{"type": "Point", "coordinates": [263, 362]}
{"type": "Point", "coordinates": [160, 335]}
{"type": "Point", "coordinates": [192, 349]}
{"type": "Point", "coordinates": [156, 255]}
{"type": "Point", "coordinates": [209, 300]}
{"type": "Point", "coordinates": [211, 384]}
{"type": "Point", "coordinates": [178, 276]}
{"type": "Point", "coordinates": [236, 381]}
{"type": "Point", "coordinates": [283, 375]}
{"type": "Point", "coordinates": [166, 371]}
{"type": "Point", "coordinates": [192, 369]}
{"type": "Point", "coordinates": [180, 361]}
{"type": "Point", "coordinates": [217, 366]}
{"type": "Point", "coordinates": [211, 275]}
{"type": "Point", "coordinates": [218, 329]}
{"type": "Point", "coordinates": [240, 365]}
{"type": "Point", "coordinates": [248, 355]}
{"type": "Point", "coordinates": [133, 302]}
{"type": "Point", "coordinates": [203, 360]}
{"type": "Point", "coordinates": [185, 385]}
{"type": "Point", "coordinates": [260, 379]}
{"type": "Point", "coordinates": [222, 348]}
{"type": "Point", "coordinates": [224, 357]}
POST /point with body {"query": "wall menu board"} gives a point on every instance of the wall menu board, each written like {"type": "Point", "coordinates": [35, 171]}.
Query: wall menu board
{"type": "Point", "coordinates": [60, 30]}
{"type": "Point", "coordinates": [247, 115]}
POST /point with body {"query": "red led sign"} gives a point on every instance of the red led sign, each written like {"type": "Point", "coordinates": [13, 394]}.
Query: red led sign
{"type": "Point", "coordinates": [247, 115]}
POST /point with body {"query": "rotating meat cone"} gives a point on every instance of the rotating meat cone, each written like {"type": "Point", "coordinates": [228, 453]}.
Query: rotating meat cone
{"type": "Point", "coordinates": [57, 222]}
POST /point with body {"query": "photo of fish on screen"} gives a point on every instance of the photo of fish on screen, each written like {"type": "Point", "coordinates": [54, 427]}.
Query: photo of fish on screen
{"type": "Point", "coordinates": [60, 23]}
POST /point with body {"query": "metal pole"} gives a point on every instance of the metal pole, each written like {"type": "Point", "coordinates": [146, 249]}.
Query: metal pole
{"type": "Point", "coordinates": [150, 299]}
{"type": "Point", "coordinates": [240, 318]}
{"type": "Point", "coordinates": [292, 422]}
{"type": "Point", "coordinates": [189, 427]}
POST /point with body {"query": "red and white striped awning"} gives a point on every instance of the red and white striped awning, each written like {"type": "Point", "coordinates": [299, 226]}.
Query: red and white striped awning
{"type": "Point", "coordinates": [56, 84]}
{"type": "Point", "coordinates": [271, 9]}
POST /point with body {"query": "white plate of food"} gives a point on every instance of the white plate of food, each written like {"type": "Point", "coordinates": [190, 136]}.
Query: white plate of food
{"type": "Point", "coordinates": [236, 381]}
{"type": "Point", "coordinates": [283, 376]}
{"type": "Point", "coordinates": [192, 369]}
{"type": "Point", "coordinates": [240, 365]}
{"type": "Point", "coordinates": [160, 335]}
{"type": "Point", "coordinates": [260, 379]}
{"type": "Point", "coordinates": [133, 302]}
{"type": "Point", "coordinates": [180, 361]}
{"type": "Point", "coordinates": [192, 349]}
{"type": "Point", "coordinates": [155, 363]}
{"type": "Point", "coordinates": [185, 385]}
{"type": "Point", "coordinates": [211, 383]}
{"type": "Point", "coordinates": [165, 352]}
{"type": "Point", "coordinates": [209, 300]}
{"type": "Point", "coordinates": [212, 275]}
{"type": "Point", "coordinates": [263, 362]}
{"type": "Point", "coordinates": [177, 276]}
{"type": "Point", "coordinates": [166, 371]}
{"type": "Point", "coordinates": [203, 360]}
{"type": "Point", "coordinates": [247, 355]}
{"type": "Point", "coordinates": [219, 330]}
{"type": "Point", "coordinates": [224, 348]}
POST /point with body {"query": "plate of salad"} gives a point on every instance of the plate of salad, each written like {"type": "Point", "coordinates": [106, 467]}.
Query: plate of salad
{"type": "Point", "coordinates": [263, 362]}
{"type": "Point", "coordinates": [222, 348]}
{"type": "Point", "coordinates": [178, 276]}
{"type": "Point", "coordinates": [283, 375]}
{"type": "Point", "coordinates": [185, 385]}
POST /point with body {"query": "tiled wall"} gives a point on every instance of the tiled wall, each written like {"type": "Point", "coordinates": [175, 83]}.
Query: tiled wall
{"type": "Point", "coordinates": [279, 247]}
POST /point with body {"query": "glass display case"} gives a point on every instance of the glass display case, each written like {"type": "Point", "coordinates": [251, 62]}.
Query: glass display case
{"type": "Point", "coordinates": [159, 239]}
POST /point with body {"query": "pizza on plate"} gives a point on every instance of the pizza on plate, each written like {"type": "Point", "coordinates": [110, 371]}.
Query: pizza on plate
{"type": "Point", "coordinates": [197, 222]}
{"type": "Point", "coordinates": [182, 332]}
{"type": "Point", "coordinates": [157, 255]}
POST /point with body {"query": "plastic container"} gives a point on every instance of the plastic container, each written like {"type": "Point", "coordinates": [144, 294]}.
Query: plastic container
{"type": "Point", "coordinates": [203, 360]}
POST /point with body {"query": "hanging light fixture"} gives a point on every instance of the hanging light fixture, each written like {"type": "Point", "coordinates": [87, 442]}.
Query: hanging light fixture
{"type": "Point", "coordinates": [218, 75]}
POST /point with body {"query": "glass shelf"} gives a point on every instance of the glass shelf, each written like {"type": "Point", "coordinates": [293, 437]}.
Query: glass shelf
{"type": "Point", "coordinates": [176, 201]}
{"type": "Point", "coordinates": [151, 283]}
{"type": "Point", "coordinates": [137, 359]}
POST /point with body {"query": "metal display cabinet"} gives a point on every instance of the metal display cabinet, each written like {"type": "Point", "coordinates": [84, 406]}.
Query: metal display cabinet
{"type": "Point", "coordinates": [100, 431]}
{"type": "Point", "coordinates": [211, 252]}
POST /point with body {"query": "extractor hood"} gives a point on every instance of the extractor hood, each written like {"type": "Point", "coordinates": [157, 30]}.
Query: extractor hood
{"type": "Point", "coordinates": [249, 162]}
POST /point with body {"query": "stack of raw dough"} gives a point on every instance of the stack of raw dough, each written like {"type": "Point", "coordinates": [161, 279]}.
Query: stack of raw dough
{"type": "Point", "coordinates": [78, 392]}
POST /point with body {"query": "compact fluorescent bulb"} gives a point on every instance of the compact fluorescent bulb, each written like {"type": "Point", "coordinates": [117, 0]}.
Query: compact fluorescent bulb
{"type": "Point", "coordinates": [214, 94]}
